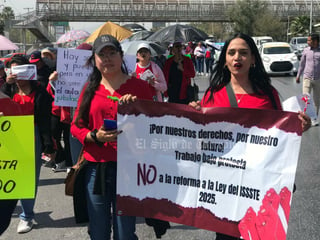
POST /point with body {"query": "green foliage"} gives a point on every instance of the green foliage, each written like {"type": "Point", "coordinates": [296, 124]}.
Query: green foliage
{"type": "Point", "coordinates": [6, 14]}
{"type": "Point", "coordinates": [300, 26]}
{"type": "Point", "coordinates": [253, 17]}
{"type": "Point", "coordinates": [220, 31]}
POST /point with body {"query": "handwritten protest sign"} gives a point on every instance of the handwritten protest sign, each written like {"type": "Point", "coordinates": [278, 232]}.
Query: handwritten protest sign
{"type": "Point", "coordinates": [17, 160]}
{"type": "Point", "coordinates": [222, 169]}
{"type": "Point", "coordinates": [72, 74]}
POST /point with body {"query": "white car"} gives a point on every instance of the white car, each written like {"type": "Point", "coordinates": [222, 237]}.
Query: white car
{"type": "Point", "coordinates": [279, 58]}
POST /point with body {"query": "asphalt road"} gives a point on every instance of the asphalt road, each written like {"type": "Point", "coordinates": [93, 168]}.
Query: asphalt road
{"type": "Point", "coordinates": [54, 211]}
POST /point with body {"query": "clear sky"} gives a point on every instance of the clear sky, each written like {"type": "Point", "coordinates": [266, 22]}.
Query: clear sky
{"type": "Point", "coordinates": [23, 6]}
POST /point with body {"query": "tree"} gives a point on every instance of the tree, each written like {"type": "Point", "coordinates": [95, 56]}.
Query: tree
{"type": "Point", "coordinates": [254, 18]}
{"type": "Point", "coordinates": [300, 26]}
{"type": "Point", "coordinates": [220, 31]}
{"type": "Point", "coordinates": [6, 14]}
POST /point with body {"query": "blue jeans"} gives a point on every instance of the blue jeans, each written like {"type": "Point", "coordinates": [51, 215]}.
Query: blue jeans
{"type": "Point", "coordinates": [99, 209]}
{"type": "Point", "coordinates": [200, 64]}
{"type": "Point", "coordinates": [27, 205]}
{"type": "Point", "coordinates": [75, 148]}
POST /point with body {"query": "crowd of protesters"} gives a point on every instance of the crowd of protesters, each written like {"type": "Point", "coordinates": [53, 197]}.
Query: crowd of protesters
{"type": "Point", "coordinates": [58, 129]}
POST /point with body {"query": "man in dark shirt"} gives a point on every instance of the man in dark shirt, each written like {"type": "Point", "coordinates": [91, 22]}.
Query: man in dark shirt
{"type": "Point", "coordinates": [43, 71]}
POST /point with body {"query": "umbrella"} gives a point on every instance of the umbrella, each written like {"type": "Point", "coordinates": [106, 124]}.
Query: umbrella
{"type": "Point", "coordinates": [178, 32]}
{"type": "Point", "coordinates": [133, 27]}
{"type": "Point", "coordinates": [73, 35]}
{"type": "Point", "coordinates": [6, 44]}
{"type": "Point", "coordinates": [130, 48]}
{"type": "Point", "coordinates": [141, 35]}
{"type": "Point", "coordinates": [111, 28]}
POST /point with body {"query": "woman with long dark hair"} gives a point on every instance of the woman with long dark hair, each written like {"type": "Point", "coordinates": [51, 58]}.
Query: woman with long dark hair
{"type": "Point", "coordinates": [108, 79]}
{"type": "Point", "coordinates": [240, 71]}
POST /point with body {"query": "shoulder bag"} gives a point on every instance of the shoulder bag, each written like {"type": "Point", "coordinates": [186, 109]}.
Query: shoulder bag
{"type": "Point", "coordinates": [192, 91]}
{"type": "Point", "coordinates": [72, 174]}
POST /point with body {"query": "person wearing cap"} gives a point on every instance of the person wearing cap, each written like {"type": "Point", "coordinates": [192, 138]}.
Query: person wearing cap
{"type": "Point", "coordinates": [95, 196]}
{"type": "Point", "coordinates": [144, 65]}
{"type": "Point", "coordinates": [34, 100]}
{"type": "Point", "coordinates": [43, 71]}
{"type": "Point", "coordinates": [178, 71]}
{"type": "Point", "coordinates": [49, 57]}
{"type": "Point", "coordinates": [190, 50]}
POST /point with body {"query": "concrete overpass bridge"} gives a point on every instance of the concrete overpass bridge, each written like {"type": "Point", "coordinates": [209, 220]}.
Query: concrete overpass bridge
{"type": "Point", "coordinates": [149, 11]}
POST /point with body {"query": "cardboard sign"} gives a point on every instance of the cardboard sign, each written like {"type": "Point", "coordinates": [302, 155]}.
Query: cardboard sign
{"type": "Point", "coordinates": [17, 157]}
{"type": "Point", "coordinates": [72, 75]}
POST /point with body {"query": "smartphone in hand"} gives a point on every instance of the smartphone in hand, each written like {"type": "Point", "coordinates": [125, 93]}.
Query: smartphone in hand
{"type": "Point", "coordinates": [110, 124]}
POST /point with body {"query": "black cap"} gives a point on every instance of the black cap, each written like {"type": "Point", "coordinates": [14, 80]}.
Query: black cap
{"type": "Point", "coordinates": [104, 41]}
{"type": "Point", "coordinates": [35, 57]}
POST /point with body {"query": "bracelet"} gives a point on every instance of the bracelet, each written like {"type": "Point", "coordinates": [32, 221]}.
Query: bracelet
{"type": "Point", "coordinates": [93, 134]}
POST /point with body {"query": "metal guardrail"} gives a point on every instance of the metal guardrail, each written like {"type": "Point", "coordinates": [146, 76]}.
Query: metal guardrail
{"type": "Point", "coordinates": [147, 11]}
{"type": "Point", "coordinates": [159, 10]}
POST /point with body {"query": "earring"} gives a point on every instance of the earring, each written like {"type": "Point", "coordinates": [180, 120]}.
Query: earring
{"type": "Point", "coordinates": [253, 65]}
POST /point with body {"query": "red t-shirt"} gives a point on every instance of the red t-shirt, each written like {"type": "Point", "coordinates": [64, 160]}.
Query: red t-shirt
{"type": "Point", "coordinates": [140, 70]}
{"type": "Point", "coordinates": [26, 102]}
{"type": "Point", "coordinates": [9, 107]}
{"type": "Point", "coordinates": [104, 108]}
{"type": "Point", "coordinates": [246, 100]}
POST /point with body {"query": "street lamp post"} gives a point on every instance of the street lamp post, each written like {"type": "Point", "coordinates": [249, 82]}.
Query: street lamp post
{"type": "Point", "coordinates": [311, 14]}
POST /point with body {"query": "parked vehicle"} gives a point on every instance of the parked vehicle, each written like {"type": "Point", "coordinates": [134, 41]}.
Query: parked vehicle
{"type": "Point", "coordinates": [279, 58]}
{"type": "Point", "coordinates": [298, 44]}
{"type": "Point", "coordinates": [7, 58]}
{"type": "Point", "coordinates": [261, 40]}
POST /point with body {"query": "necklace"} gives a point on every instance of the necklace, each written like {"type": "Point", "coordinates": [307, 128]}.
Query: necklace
{"type": "Point", "coordinates": [239, 100]}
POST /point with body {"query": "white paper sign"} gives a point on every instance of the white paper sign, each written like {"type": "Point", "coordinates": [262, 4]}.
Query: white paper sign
{"type": "Point", "coordinates": [147, 75]}
{"type": "Point", "coordinates": [25, 72]}
{"type": "Point", "coordinates": [72, 75]}
{"type": "Point", "coordinates": [303, 103]}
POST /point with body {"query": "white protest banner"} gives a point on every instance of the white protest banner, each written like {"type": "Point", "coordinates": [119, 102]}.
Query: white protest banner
{"type": "Point", "coordinates": [229, 170]}
{"type": "Point", "coordinates": [25, 72]}
{"type": "Point", "coordinates": [72, 75]}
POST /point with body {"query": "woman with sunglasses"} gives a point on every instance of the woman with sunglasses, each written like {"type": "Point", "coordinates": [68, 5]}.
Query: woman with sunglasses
{"type": "Point", "coordinates": [178, 71]}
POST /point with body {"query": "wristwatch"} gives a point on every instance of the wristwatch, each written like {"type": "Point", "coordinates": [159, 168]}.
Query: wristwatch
{"type": "Point", "coordinates": [93, 134]}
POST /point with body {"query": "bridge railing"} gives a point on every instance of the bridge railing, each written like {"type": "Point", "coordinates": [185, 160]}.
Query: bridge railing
{"type": "Point", "coordinates": [159, 10]}
{"type": "Point", "coordinates": [33, 20]}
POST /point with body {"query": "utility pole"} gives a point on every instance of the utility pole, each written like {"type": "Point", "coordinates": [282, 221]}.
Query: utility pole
{"type": "Point", "coordinates": [24, 32]}
{"type": "Point", "coordinates": [311, 15]}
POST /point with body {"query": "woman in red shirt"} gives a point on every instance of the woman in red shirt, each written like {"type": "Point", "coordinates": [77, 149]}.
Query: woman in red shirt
{"type": "Point", "coordinates": [33, 100]}
{"type": "Point", "coordinates": [240, 69]}
{"type": "Point", "coordinates": [7, 206]}
{"type": "Point", "coordinates": [109, 78]}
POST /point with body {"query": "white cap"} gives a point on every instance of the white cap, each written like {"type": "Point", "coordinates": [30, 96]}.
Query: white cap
{"type": "Point", "coordinates": [143, 45]}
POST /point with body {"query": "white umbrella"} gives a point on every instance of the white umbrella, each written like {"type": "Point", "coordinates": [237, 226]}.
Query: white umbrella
{"type": "Point", "coordinates": [73, 35]}
{"type": "Point", "coordinates": [6, 44]}
{"type": "Point", "coordinates": [130, 48]}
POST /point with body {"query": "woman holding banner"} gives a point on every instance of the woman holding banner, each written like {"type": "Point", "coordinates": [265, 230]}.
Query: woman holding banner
{"type": "Point", "coordinates": [107, 84]}
{"type": "Point", "coordinates": [34, 100]}
{"type": "Point", "coordinates": [240, 80]}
